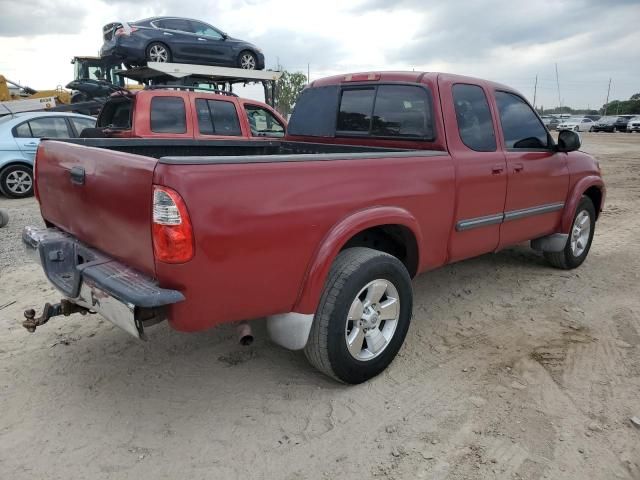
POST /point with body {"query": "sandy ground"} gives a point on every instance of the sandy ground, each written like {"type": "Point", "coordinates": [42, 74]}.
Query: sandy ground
{"type": "Point", "coordinates": [511, 369]}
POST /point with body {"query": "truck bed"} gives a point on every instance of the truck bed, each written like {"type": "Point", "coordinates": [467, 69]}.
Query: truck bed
{"type": "Point", "coordinates": [232, 151]}
{"type": "Point", "coordinates": [259, 210]}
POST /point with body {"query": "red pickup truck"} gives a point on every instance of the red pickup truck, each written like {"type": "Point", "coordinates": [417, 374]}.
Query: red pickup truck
{"type": "Point", "coordinates": [381, 176]}
{"type": "Point", "coordinates": [170, 112]}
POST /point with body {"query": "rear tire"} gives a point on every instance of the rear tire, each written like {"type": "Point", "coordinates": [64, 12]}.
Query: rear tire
{"type": "Point", "coordinates": [158, 52]}
{"type": "Point", "coordinates": [363, 316]}
{"type": "Point", "coordinates": [16, 181]}
{"type": "Point", "coordinates": [580, 237]}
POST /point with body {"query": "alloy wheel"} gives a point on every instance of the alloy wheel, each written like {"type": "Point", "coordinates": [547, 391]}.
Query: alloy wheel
{"type": "Point", "coordinates": [248, 62]}
{"type": "Point", "coordinates": [372, 320]}
{"type": "Point", "coordinates": [580, 233]}
{"type": "Point", "coordinates": [158, 53]}
{"type": "Point", "coordinates": [19, 182]}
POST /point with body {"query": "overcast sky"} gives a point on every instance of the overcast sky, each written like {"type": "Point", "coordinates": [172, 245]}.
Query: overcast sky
{"type": "Point", "coordinates": [508, 41]}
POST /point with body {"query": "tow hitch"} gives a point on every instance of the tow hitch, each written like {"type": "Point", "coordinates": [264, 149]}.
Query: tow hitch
{"type": "Point", "coordinates": [65, 307]}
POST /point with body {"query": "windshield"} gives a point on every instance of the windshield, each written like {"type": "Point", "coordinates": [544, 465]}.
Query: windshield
{"type": "Point", "coordinates": [85, 70]}
{"type": "Point", "coordinates": [574, 120]}
{"type": "Point", "coordinates": [608, 119]}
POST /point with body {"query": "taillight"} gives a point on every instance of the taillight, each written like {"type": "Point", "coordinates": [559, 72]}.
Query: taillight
{"type": "Point", "coordinates": [172, 232]}
{"type": "Point", "coordinates": [121, 31]}
{"type": "Point", "coordinates": [35, 177]}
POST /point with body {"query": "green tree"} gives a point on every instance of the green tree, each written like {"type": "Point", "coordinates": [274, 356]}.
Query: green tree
{"type": "Point", "coordinates": [288, 88]}
{"type": "Point", "coordinates": [623, 107]}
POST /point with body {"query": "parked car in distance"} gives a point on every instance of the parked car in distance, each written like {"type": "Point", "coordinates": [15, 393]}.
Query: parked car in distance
{"type": "Point", "coordinates": [179, 40]}
{"type": "Point", "coordinates": [180, 113]}
{"type": "Point", "coordinates": [605, 124]}
{"type": "Point", "coordinates": [20, 134]}
{"type": "Point", "coordinates": [382, 175]}
{"type": "Point", "coordinates": [577, 124]}
{"type": "Point", "coordinates": [550, 122]}
{"type": "Point", "coordinates": [634, 124]}
{"type": "Point", "coordinates": [621, 122]}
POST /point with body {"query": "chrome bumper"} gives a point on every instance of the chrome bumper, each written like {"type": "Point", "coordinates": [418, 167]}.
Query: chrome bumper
{"type": "Point", "coordinates": [95, 281]}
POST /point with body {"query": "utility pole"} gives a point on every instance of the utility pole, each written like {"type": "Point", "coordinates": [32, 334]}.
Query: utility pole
{"type": "Point", "coordinates": [535, 91]}
{"type": "Point", "coordinates": [308, 73]}
{"type": "Point", "coordinates": [558, 85]}
{"type": "Point", "coordinates": [606, 104]}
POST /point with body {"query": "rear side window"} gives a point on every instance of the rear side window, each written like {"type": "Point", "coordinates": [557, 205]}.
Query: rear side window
{"type": "Point", "coordinates": [386, 111]}
{"type": "Point", "coordinates": [22, 131]}
{"type": "Point", "coordinates": [49, 127]}
{"type": "Point", "coordinates": [217, 117]}
{"type": "Point", "coordinates": [315, 112]}
{"type": "Point", "coordinates": [520, 125]}
{"type": "Point", "coordinates": [401, 111]}
{"type": "Point", "coordinates": [474, 118]}
{"type": "Point", "coordinates": [168, 115]}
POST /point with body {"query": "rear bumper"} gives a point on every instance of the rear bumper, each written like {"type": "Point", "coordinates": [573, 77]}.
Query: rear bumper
{"type": "Point", "coordinates": [95, 281]}
{"type": "Point", "coordinates": [119, 51]}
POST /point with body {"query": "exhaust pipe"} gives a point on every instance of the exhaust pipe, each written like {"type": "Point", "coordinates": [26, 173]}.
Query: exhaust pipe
{"type": "Point", "coordinates": [245, 335]}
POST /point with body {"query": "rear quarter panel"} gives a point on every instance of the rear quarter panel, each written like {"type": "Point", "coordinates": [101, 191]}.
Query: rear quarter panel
{"type": "Point", "coordinates": [258, 226]}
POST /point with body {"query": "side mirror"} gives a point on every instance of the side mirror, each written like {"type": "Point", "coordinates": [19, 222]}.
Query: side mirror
{"type": "Point", "coordinates": [568, 141]}
{"type": "Point", "coordinates": [225, 35]}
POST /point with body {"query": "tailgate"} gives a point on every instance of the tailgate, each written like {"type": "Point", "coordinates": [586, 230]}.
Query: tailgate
{"type": "Point", "coordinates": [102, 197]}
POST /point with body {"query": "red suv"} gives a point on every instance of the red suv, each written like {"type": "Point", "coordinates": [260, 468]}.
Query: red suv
{"type": "Point", "coordinates": [201, 115]}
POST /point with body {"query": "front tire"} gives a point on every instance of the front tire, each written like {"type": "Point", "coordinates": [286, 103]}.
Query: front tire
{"type": "Point", "coordinates": [363, 316]}
{"type": "Point", "coordinates": [247, 60]}
{"type": "Point", "coordinates": [158, 52]}
{"type": "Point", "coordinates": [580, 237]}
{"type": "Point", "coordinates": [16, 181]}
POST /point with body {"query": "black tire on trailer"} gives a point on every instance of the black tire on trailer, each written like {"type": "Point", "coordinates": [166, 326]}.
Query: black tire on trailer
{"type": "Point", "coordinates": [363, 315]}
{"type": "Point", "coordinates": [16, 181]}
{"type": "Point", "coordinates": [580, 237]}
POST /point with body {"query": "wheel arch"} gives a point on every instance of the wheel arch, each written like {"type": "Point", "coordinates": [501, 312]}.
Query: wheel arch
{"type": "Point", "coordinates": [17, 161]}
{"type": "Point", "coordinates": [592, 187]}
{"type": "Point", "coordinates": [389, 229]}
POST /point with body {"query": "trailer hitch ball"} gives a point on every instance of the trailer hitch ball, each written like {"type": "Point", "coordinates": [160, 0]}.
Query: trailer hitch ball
{"type": "Point", "coordinates": [29, 314]}
{"type": "Point", "coordinates": [65, 307]}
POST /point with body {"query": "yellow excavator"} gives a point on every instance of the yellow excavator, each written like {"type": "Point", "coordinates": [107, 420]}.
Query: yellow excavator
{"type": "Point", "coordinates": [19, 98]}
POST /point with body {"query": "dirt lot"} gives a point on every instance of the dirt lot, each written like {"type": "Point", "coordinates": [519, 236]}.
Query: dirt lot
{"type": "Point", "coordinates": [510, 370]}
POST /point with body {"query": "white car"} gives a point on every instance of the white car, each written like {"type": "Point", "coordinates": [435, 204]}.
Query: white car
{"type": "Point", "coordinates": [577, 124]}
{"type": "Point", "coordinates": [634, 124]}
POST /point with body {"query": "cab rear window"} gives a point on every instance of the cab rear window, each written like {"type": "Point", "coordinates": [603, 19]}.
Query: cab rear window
{"type": "Point", "coordinates": [376, 111]}
{"type": "Point", "coordinates": [116, 113]}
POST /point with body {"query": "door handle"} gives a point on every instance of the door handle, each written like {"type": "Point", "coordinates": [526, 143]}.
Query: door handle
{"type": "Point", "coordinates": [518, 167]}
{"type": "Point", "coordinates": [168, 34]}
{"type": "Point", "coordinates": [498, 168]}
{"type": "Point", "coordinates": [31, 144]}
{"type": "Point", "coordinates": [77, 175]}
{"type": "Point", "coordinates": [202, 39]}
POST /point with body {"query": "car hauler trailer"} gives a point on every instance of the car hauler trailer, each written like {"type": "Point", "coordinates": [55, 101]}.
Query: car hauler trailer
{"type": "Point", "coordinates": [221, 78]}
